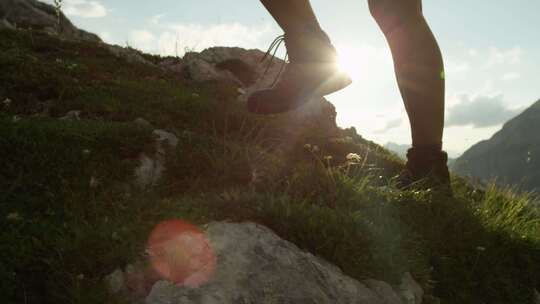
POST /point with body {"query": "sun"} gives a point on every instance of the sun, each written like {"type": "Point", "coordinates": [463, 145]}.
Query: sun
{"type": "Point", "coordinates": [351, 61]}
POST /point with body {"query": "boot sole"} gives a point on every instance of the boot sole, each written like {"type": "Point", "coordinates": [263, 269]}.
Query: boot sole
{"type": "Point", "coordinates": [335, 83]}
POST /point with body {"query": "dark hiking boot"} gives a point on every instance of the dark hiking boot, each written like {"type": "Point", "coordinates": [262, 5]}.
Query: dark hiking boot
{"type": "Point", "coordinates": [426, 169]}
{"type": "Point", "coordinates": [311, 73]}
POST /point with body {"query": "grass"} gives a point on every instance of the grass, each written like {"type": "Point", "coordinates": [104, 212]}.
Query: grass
{"type": "Point", "coordinates": [71, 214]}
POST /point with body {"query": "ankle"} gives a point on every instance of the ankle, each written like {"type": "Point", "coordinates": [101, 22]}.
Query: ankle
{"type": "Point", "coordinates": [428, 147]}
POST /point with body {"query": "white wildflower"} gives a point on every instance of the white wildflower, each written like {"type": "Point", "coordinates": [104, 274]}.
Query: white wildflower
{"type": "Point", "coordinates": [354, 158]}
{"type": "Point", "coordinates": [14, 216]}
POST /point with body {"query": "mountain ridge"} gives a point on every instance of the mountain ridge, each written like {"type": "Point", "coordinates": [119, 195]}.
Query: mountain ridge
{"type": "Point", "coordinates": [510, 156]}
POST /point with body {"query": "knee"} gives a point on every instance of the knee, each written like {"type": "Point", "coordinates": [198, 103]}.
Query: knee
{"type": "Point", "coordinates": [392, 14]}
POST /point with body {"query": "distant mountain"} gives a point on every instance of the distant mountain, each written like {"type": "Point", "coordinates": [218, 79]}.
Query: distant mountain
{"type": "Point", "coordinates": [511, 156]}
{"type": "Point", "coordinates": [399, 149]}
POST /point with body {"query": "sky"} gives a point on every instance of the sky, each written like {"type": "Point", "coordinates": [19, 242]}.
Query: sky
{"type": "Point", "coordinates": [491, 50]}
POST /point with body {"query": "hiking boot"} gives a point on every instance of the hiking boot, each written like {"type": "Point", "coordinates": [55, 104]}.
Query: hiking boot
{"type": "Point", "coordinates": [426, 169]}
{"type": "Point", "coordinates": [311, 73]}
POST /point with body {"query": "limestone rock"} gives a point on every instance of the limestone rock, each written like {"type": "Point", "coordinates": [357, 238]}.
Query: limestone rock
{"type": "Point", "coordinates": [149, 171]}
{"type": "Point", "coordinates": [129, 54]}
{"type": "Point", "coordinates": [4, 24]}
{"type": "Point", "coordinates": [255, 266]}
{"type": "Point", "coordinates": [72, 115]}
{"type": "Point", "coordinates": [384, 291]}
{"type": "Point", "coordinates": [142, 123]}
{"type": "Point", "coordinates": [164, 138]}
{"type": "Point", "coordinates": [37, 15]}
{"type": "Point", "coordinates": [410, 291]}
{"type": "Point", "coordinates": [151, 168]}
{"type": "Point", "coordinates": [115, 281]}
{"type": "Point", "coordinates": [244, 69]}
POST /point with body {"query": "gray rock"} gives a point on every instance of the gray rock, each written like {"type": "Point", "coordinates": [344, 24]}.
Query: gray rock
{"type": "Point", "coordinates": [255, 266]}
{"type": "Point", "coordinates": [142, 122]}
{"type": "Point", "coordinates": [410, 291]}
{"type": "Point", "coordinates": [172, 64]}
{"type": "Point", "coordinates": [240, 66]}
{"type": "Point", "coordinates": [4, 24]}
{"type": "Point", "coordinates": [115, 281]}
{"type": "Point", "coordinates": [384, 291]}
{"type": "Point", "coordinates": [129, 54]}
{"type": "Point", "coordinates": [164, 137]}
{"type": "Point", "coordinates": [151, 168]}
{"type": "Point", "coordinates": [537, 297]}
{"type": "Point", "coordinates": [149, 171]}
{"type": "Point", "coordinates": [26, 14]}
{"type": "Point", "coordinates": [72, 115]}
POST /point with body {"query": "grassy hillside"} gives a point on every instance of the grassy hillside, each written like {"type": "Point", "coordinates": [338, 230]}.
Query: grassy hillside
{"type": "Point", "coordinates": [70, 213]}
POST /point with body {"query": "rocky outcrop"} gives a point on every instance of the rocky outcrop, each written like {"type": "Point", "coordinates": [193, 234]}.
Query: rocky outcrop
{"type": "Point", "coordinates": [32, 14]}
{"type": "Point", "coordinates": [246, 69]}
{"type": "Point", "coordinates": [511, 156]}
{"type": "Point", "coordinates": [152, 167]}
{"type": "Point", "coordinates": [255, 266]}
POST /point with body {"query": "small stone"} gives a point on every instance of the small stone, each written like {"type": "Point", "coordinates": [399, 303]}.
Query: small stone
{"type": "Point", "coordinates": [72, 115]}
{"type": "Point", "coordinates": [149, 171]}
{"type": "Point", "coordinates": [16, 118]}
{"type": "Point", "coordinates": [168, 137]}
{"type": "Point", "coordinates": [410, 291]}
{"type": "Point", "coordinates": [242, 91]}
{"type": "Point", "coordinates": [94, 182]}
{"type": "Point", "coordinates": [14, 216]}
{"type": "Point", "coordinates": [80, 277]}
{"type": "Point", "coordinates": [6, 102]}
{"type": "Point", "coordinates": [115, 281]}
{"type": "Point", "coordinates": [195, 95]}
{"type": "Point", "coordinates": [143, 123]}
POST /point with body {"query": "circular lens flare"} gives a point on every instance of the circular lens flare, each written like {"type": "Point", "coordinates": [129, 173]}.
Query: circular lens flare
{"type": "Point", "coordinates": [181, 253]}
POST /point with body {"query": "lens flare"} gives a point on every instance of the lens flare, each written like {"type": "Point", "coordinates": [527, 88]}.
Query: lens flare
{"type": "Point", "coordinates": [181, 253]}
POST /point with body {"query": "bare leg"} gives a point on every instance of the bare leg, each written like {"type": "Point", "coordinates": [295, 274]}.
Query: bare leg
{"type": "Point", "coordinates": [292, 15]}
{"type": "Point", "coordinates": [418, 65]}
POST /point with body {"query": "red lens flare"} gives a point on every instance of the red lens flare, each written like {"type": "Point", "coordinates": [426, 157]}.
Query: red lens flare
{"type": "Point", "coordinates": [181, 253]}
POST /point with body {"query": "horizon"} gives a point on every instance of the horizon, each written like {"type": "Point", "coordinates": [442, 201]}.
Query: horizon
{"type": "Point", "coordinates": [489, 71]}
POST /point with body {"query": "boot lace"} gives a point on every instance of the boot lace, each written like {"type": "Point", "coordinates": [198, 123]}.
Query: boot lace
{"type": "Point", "coordinates": [271, 53]}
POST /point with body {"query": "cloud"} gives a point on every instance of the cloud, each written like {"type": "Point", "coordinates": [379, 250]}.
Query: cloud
{"type": "Point", "coordinates": [392, 124]}
{"type": "Point", "coordinates": [511, 76]}
{"type": "Point", "coordinates": [479, 112]}
{"type": "Point", "coordinates": [107, 37]}
{"type": "Point", "coordinates": [454, 67]}
{"type": "Point", "coordinates": [142, 39]}
{"type": "Point", "coordinates": [156, 19]}
{"type": "Point", "coordinates": [83, 8]}
{"type": "Point", "coordinates": [182, 37]}
{"type": "Point", "coordinates": [504, 57]}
